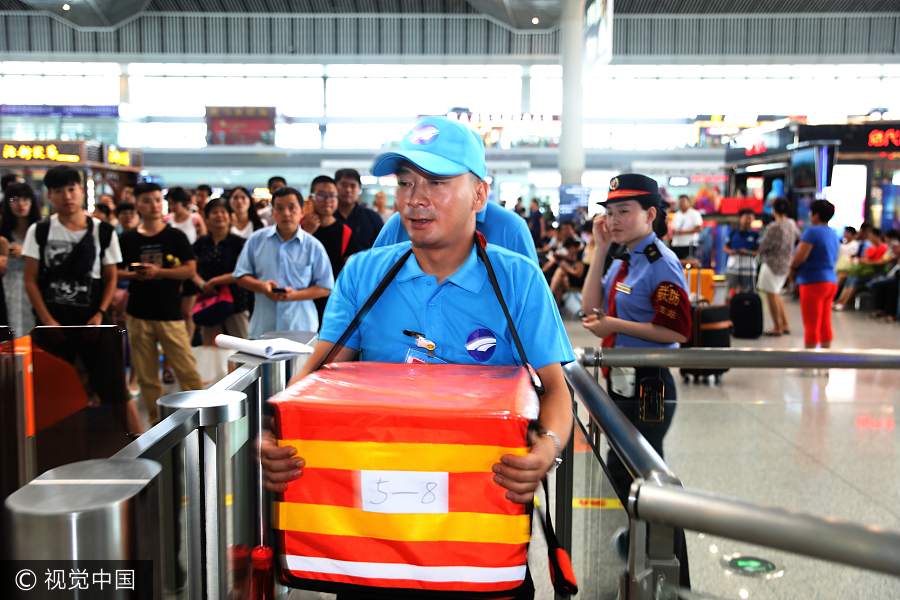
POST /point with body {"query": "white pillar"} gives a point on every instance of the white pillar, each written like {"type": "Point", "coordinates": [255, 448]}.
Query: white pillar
{"type": "Point", "coordinates": [526, 90]}
{"type": "Point", "coordinates": [571, 145]}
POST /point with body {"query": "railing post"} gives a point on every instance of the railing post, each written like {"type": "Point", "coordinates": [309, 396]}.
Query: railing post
{"type": "Point", "coordinates": [94, 510]}
{"type": "Point", "coordinates": [205, 468]}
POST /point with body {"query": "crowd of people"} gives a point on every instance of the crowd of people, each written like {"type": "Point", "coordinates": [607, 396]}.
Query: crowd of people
{"type": "Point", "coordinates": [230, 264]}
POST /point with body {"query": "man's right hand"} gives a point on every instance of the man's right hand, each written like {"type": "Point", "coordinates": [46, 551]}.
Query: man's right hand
{"type": "Point", "coordinates": [279, 463]}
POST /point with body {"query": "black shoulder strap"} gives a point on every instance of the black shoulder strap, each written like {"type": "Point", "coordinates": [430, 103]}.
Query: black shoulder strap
{"type": "Point", "coordinates": [106, 231]}
{"type": "Point", "coordinates": [482, 254]}
{"type": "Point", "coordinates": [41, 233]}
{"type": "Point", "coordinates": [386, 281]}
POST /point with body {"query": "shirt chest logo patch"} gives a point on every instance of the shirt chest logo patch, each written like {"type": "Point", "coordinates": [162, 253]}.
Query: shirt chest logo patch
{"type": "Point", "coordinates": [481, 344]}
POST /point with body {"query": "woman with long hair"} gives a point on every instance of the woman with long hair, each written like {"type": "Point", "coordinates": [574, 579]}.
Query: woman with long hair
{"type": "Point", "coordinates": [20, 209]}
{"type": "Point", "coordinates": [246, 221]}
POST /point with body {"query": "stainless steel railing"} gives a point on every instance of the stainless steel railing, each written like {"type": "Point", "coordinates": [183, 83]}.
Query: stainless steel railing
{"type": "Point", "coordinates": [738, 358]}
{"type": "Point", "coordinates": [657, 498]}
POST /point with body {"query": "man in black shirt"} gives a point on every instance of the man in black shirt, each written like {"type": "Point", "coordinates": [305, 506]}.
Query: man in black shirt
{"type": "Point", "coordinates": [319, 221]}
{"type": "Point", "coordinates": [365, 222]}
{"type": "Point", "coordinates": [156, 259]}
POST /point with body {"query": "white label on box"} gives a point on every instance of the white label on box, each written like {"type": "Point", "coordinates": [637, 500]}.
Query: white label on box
{"type": "Point", "coordinates": [405, 492]}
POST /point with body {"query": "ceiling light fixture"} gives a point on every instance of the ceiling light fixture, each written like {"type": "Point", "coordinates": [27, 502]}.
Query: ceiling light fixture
{"type": "Point", "coordinates": [66, 7]}
{"type": "Point", "coordinates": [535, 21]}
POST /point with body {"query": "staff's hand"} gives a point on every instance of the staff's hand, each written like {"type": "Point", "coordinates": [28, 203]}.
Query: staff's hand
{"type": "Point", "coordinates": [522, 475]}
{"type": "Point", "coordinates": [602, 236]}
{"type": "Point", "coordinates": [279, 463]}
{"type": "Point", "coordinates": [600, 325]}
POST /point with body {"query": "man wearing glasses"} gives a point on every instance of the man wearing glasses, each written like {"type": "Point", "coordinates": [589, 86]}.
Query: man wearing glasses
{"type": "Point", "coordinates": [319, 221]}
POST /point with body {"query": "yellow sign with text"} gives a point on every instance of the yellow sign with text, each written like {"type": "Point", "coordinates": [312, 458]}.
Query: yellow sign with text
{"type": "Point", "coordinates": [43, 152]}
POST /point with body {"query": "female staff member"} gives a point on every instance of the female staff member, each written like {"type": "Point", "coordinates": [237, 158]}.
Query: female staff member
{"type": "Point", "coordinates": [641, 302]}
{"type": "Point", "coordinates": [813, 267]}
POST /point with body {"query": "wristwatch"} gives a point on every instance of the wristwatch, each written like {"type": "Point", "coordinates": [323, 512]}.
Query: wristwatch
{"type": "Point", "coordinates": [556, 443]}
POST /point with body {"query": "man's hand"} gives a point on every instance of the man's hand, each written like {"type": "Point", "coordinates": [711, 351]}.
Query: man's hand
{"type": "Point", "coordinates": [522, 475]}
{"type": "Point", "coordinates": [15, 250]}
{"type": "Point", "coordinates": [97, 319]}
{"type": "Point", "coordinates": [209, 288]}
{"type": "Point", "coordinates": [146, 272]}
{"type": "Point", "coordinates": [276, 296]}
{"type": "Point", "coordinates": [279, 463]}
{"type": "Point", "coordinates": [311, 223]}
{"type": "Point", "coordinates": [600, 325]}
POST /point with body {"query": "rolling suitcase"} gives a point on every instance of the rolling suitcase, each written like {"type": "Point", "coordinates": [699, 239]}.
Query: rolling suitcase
{"type": "Point", "coordinates": [706, 289]}
{"type": "Point", "coordinates": [711, 328]}
{"type": "Point", "coordinates": [747, 313]}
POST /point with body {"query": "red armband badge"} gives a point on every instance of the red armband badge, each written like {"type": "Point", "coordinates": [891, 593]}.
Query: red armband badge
{"type": "Point", "coordinates": [672, 307]}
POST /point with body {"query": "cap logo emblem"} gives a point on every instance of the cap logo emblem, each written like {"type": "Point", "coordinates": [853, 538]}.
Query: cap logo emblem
{"type": "Point", "coordinates": [423, 134]}
{"type": "Point", "coordinates": [614, 183]}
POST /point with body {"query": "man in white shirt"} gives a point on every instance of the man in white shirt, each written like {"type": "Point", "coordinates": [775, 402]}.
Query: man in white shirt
{"type": "Point", "coordinates": [686, 227]}
{"type": "Point", "coordinates": [70, 280]}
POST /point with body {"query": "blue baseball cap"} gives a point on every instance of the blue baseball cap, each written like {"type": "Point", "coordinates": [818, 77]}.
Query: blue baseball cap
{"type": "Point", "coordinates": [439, 146]}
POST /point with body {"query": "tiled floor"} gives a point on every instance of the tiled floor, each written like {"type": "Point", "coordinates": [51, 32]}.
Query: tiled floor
{"type": "Point", "coordinates": [824, 445]}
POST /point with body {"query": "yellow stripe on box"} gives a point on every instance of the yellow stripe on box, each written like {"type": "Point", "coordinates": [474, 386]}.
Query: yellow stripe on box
{"type": "Point", "coordinates": [377, 456]}
{"type": "Point", "coordinates": [448, 527]}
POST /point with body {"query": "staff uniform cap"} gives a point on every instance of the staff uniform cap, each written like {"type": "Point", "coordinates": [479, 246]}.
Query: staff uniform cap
{"type": "Point", "coordinates": [438, 146]}
{"type": "Point", "coordinates": [631, 186]}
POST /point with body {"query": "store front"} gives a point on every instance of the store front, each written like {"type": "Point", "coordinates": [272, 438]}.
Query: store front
{"type": "Point", "coordinates": [105, 168]}
{"type": "Point", "coordinates": [856, 166]}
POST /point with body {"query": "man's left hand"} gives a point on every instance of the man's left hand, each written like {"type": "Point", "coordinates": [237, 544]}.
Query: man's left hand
{"type": "Point", "coordinates": [97, 319]}
{"type": "Point", "coordinates": [522, 475]}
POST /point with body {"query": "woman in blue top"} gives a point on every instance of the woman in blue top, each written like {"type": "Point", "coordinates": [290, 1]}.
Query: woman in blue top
{"type": "Point", "coordinates": [813, 268]}
{"type": "Point", "coordinates": [640, 302]}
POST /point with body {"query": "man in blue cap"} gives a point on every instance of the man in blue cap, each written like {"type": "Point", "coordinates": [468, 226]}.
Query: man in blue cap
{"type": "Point", "coordinates": [498, 225]}
{"type": "Point", "coordinates": [443, 291]}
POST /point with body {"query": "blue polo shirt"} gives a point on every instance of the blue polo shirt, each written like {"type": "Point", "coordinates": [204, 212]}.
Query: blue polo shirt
{"type": "Point", "coordinates": [742, 239]}
{"type": "Point", "coordinates": [299, 263]}
{"type": "Point", "coordinates": [819, 265]}
{"type": "Point", "coordinates": [499, 226]}
{"type": "Point", "coordinates": [462, 316]}
{"type": "Point", "coordinates": [643, 279]}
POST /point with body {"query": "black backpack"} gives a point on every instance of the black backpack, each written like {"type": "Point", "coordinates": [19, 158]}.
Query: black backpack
{"type": "Point", "coordinates": [77, 261]}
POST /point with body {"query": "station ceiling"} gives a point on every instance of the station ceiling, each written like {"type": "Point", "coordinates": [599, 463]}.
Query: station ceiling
{"type": "Point", "coordinates": [518, 14]}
